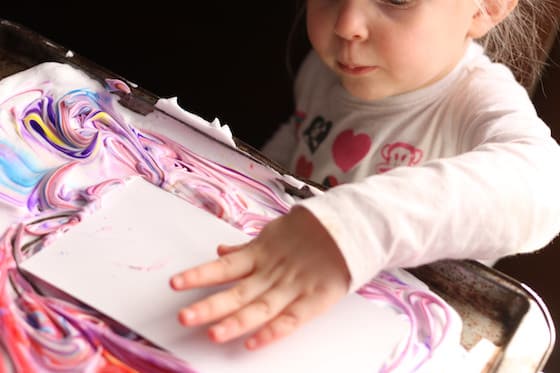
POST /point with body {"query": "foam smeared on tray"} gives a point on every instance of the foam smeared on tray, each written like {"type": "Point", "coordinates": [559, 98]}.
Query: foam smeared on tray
{"type": "Point", "coordinates": [64, 141]}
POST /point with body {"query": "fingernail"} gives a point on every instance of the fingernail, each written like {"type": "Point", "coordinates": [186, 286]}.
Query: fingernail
{"type": "Point", "coordinates": [187, 316]}
{"type": "Point", "coordinates": [177, 281]}
{"type": "Point", "coordinates": [251, 343]}
{"type": "Point", "coordinates": [217, 332]}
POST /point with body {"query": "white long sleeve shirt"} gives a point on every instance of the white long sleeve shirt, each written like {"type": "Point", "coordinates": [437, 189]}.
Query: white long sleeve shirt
{"type": "Point", "coordinates": [463, 168]}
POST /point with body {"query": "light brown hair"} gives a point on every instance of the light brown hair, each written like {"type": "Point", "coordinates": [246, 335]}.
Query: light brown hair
{"type": "Point", "coordinates": [522, 40]}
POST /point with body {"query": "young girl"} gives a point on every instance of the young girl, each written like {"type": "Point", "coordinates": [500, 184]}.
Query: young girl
{"type": "Point", "coordinates": [432, 151]}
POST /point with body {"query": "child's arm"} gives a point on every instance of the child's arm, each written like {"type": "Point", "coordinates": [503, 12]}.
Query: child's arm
{"type": "Point", "coordinates": [288, 274]}
{"type": "Point", "coordinates": [499, 199]}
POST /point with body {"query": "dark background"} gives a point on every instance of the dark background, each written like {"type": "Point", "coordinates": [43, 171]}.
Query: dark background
{"type": "Point", "coordinates": [229, 61]}
{"type": "Point", "coordinates": [220, 60]}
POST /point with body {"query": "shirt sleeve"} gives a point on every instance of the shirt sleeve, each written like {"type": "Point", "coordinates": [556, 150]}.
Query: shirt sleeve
{"type": "Point", "coordinates": [500, 197]}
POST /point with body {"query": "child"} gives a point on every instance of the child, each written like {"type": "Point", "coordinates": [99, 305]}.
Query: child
{"type": "Point", "coordinates": [432, 151]}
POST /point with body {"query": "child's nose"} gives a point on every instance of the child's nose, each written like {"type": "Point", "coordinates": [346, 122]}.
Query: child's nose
{"type": "Point", "coordinates": [351, 23]}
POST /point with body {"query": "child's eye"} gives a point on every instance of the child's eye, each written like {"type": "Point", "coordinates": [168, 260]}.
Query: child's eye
{"type": "Point", "coordinates": [398, 3]}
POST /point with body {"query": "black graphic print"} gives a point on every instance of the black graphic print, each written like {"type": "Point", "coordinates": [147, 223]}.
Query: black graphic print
{"type": "Point", "coordinates": [317, 132]}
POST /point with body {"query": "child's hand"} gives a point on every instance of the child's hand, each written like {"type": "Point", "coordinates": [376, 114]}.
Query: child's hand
{"type": "Point", "coordinates": [288, 274]}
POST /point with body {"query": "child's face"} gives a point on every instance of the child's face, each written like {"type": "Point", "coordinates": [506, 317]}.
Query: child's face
{"type": "Point", "coordinates": [379, 48]}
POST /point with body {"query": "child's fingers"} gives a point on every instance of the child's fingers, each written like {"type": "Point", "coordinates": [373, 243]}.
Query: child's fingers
{"type": "Point", "coordinates": [290, 319]}
{"type": "Point", "coordinates": [254, 314]}
{"type": "Point", "coordinates": [225, 302]}
{"type": "Point", "coordinates": [224, 269]}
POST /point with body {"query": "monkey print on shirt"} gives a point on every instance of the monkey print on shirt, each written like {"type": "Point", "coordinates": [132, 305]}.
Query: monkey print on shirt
{"type": "Point", "coordinates": [348, 149]}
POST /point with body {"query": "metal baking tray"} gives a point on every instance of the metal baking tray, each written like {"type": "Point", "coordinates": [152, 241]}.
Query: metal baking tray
{"type": "Point", "coordinates": [492, 305]}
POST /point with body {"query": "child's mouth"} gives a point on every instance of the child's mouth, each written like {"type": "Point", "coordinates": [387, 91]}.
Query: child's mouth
{"type": "Point", "coordinates": [355, 70]}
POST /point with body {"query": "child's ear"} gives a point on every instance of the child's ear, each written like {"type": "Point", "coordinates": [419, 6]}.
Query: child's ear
{"type": "Point", "coordinates": [493, 12]}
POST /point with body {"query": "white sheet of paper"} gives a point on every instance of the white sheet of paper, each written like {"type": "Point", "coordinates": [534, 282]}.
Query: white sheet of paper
{"type": "Point", "coordinates": [119, 260]}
